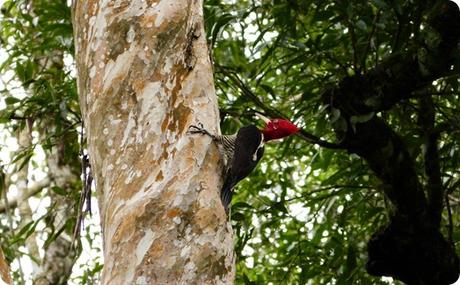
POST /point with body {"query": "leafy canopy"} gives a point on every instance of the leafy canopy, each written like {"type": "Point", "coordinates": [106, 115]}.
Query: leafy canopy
{"type": "Point", "coordinates": [305, 215]}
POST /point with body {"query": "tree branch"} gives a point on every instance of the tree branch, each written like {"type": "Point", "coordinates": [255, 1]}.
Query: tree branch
{"type": "Point", "coordinates": [380, 89]}
{"type": "Point", "coordinates": [32, 190]}
{"type": "Point", "coordinates": [388, 157]}
{"type": "Point", "coordinates": [435, 188]}
{"type": "Point", "coordinates": [400, 74]}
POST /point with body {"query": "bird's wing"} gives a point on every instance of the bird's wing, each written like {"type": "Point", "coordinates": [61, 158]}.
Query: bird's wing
{"type": "Point", "coordinates": [248, 152]}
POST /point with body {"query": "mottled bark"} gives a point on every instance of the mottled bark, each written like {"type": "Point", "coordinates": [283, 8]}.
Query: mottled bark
{"type": "Point", "coordinates": [4, 270]}
{"type": "Point", "coordinates": [144, 76]}
{"type": "Point", "coordinates": [25, 212]}
{"type": "Point", "coordinates": [411, 248]}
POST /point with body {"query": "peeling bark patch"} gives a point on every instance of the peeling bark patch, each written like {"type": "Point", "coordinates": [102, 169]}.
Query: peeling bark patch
{"type": "Point", "coordinates": [173, 213]}
{"type": "Point", "coordinates": [205, 218]}
{"type": "Point", "coordinates": [181, 115]}
{"type": "Point", "coordinates": [174, 9]}
{"type": "Point", "coordinates": [120, 35]}
{"type": "Point", "coordinates": [152, 3]}
{"type": "Point", "coordinates": [130, 35]}
{"type": "Point", "coordinates": [144, 244]}
{"type": "Point", "coordinates": [159, 177]}
{"type": "Point", "coordinates": [166, 39]}
{"type": "Point", "coordinates": [189, 57]}
{"type": "Point", "coordinates": [117, 69]}
{"type": "Point", "coordinates": [118, 6]}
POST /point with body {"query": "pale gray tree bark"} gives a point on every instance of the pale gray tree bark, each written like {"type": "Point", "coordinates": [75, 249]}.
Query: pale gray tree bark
{"type": "Point", "coordinates": [144, 76]}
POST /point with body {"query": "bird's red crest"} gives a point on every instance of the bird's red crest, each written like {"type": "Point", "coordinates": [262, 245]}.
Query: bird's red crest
{"type": "Point", "coordinates": [279, 128]}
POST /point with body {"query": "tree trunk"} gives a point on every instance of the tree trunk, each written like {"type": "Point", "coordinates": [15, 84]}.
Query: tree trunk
{"type": "Point", "coordinates": [144, 76]}
{"type": "Point", "coordinates": [4, 270]}
{"type": "Point", "coordinates": [24, 137]}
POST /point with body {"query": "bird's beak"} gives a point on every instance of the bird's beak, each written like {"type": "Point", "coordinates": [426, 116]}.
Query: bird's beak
{"type": "Point", "coordinates": [263, 118]}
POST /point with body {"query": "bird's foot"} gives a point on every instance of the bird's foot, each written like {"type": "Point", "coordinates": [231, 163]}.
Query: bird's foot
{"type": "Point", "coordinates": [198, 129]}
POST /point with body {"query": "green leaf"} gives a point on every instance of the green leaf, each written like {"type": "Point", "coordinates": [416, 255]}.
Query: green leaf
{"type": "Point", "coordinates": [335, 115]}
{"type": "Point", "coordinates": [222, 21]}
{"type": "Point", "coordinates": [361, 25]}
{"type": "Point", "coordinates": [242, 205]}
{"type": "Point", "coordinates": [238, 217]}
{"type": "Point", "coordinates": [11, 100]}
{"type": "Point", "coordinates": [21, 72]}
{"type": "Point", "coordinates": [25, 232]}
{"type": "Point", "coordinates": [59, 191]}
{"type": "Point", "coordinates": [361, 118]}
{"type": "Point", "coordinates": [380, 4]}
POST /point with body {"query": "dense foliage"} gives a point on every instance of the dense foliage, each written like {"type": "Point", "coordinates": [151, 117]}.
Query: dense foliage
{"type": "Point", "coordinates": [306, 214]}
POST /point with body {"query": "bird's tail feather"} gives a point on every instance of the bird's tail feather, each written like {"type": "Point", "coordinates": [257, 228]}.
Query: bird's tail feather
{"type": "Point", "coordinates": [226, 194]}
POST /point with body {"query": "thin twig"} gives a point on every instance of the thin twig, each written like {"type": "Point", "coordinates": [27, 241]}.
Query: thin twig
{"type": "Point", "coordinates": [84, 196]}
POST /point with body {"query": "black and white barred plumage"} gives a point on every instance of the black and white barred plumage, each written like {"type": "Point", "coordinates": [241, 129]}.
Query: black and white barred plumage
{"type": "Point", "coordinates": [241, 152]}
{"type": "Point", "coordinates": [226, 144]}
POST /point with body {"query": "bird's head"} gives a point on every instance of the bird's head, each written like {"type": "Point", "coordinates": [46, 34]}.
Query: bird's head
{"type": "Point", "coordinates": [277, 128]}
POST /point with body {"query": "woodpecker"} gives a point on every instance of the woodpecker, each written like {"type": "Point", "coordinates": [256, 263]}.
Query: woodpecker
{"type": "Point", "coordinates": [242, 151]}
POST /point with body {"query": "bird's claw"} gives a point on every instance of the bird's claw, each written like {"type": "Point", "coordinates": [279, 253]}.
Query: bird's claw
{"type": "Point", "coordinates": [198, 126]}
{"type": "Point", "coordinates": [192, 129]}
{"type": "Point", "coordinates": [198, 129]}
